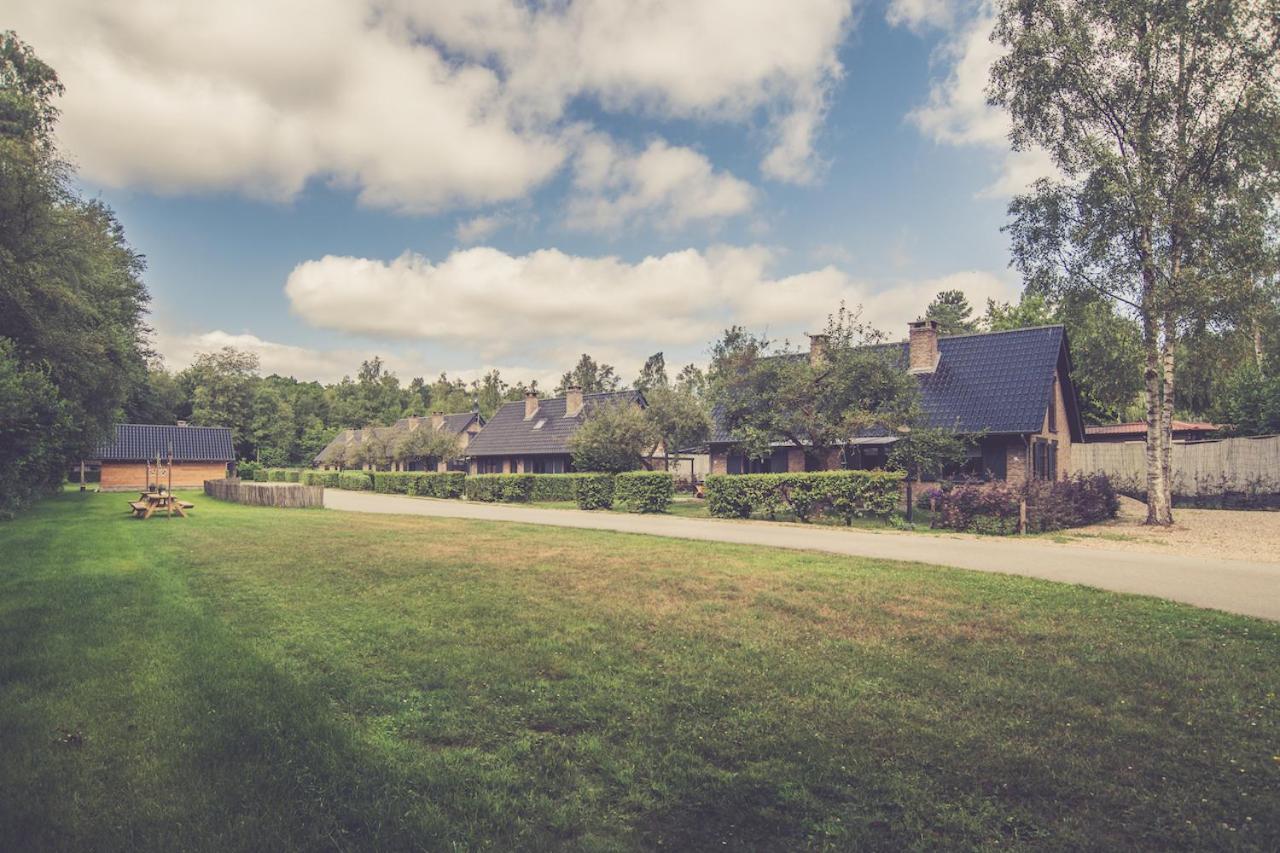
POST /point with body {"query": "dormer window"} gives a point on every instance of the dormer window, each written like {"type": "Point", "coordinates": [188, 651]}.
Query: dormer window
{"type": "Point", "coordinates": [540, 423]}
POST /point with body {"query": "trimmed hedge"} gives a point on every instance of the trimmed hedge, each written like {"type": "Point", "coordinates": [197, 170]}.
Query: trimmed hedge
{"type": "Point", "coordinates": [261, 475]}
{"type": "Point", "coordinates": [1051, 505]}
{"type": "Point", "coordinates": [644, 491]}
{"type": "Point", "coordinates": [422, 483]}
{"type": "Point", "coordinates": [358, 481]}
{"type": "Point", "coordinates": [840, 494]}
{"type": "Point", "coordinates": [328, 479]}
{"type": "Point", "coordinates": [504, 488]}
{"type": "Point", "coordinates": [248, 469]}
{"type": "Point", "coordinates": [553, 487]}
{"type": "Point", "coordinates": [593, 491]}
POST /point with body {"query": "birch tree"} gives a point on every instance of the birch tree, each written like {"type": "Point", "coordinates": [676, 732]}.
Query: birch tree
{"type": "Point", "coordinates": [1161, 118]}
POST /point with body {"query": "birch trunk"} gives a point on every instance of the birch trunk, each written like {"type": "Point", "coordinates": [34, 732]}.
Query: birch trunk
{"type": "Point", "coordinates": [1166, 418]}
{"type": "Point", "coordinates": [1159, 511]}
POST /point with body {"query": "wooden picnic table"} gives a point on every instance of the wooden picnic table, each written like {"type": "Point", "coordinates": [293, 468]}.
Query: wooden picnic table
{"type": "Point", "coordinates": [149, 503]}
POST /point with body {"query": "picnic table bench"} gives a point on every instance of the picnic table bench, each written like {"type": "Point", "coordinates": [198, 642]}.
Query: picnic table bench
{"type": "Point", "coordinates": [149, 503]}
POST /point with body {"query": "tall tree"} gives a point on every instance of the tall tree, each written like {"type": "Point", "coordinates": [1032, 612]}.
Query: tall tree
{"type": "Point", "coordinates": [652, 375]}
{"type": "Point", "coordinates": [614, 437]}
{"type": "Point", "coordinates": [223, 387]}
{"type": "Point", "coordinates": [590, 376]}
{"type": "Point", "coordinates": [678, 417]}
{"type": "Point", "coordinates": [952, 311]}
{"type": "Point", "coordinates": [71, 297]}
{"type": "Point", "coordinates": [1163, 120]}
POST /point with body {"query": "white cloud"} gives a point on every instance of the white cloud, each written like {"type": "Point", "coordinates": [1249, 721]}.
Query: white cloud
{"type": "Point", "coordinates": [918, 15]}
{"type": "Point", "coordinates": [957, 112]}
{"type": "Point", "coordinates": [479, 227]}
{"type": "Point", "coordinates": [487, 302]}
{"type": "Point", "coordinates": [668, 186]}
{"type": "Point", "coordinates": [419, 105]}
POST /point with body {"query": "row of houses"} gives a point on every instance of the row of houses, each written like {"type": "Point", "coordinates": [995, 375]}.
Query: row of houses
{"type": "Point", "coordinates": [1011, 390]}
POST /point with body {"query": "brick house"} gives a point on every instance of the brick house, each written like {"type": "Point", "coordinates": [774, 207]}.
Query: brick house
{"type": "Point", "coordinates": [532, 436]}
{"type": "Point", "coordinates": [341, 451]}
{"type": "Point", "coordinates": [128, 461]}
{"type": "Point", "coordinates": [1012, 389]}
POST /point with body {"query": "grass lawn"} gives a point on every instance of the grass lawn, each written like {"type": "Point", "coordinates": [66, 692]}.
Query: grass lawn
{"type": "Point", "coordinates": [264, 679]}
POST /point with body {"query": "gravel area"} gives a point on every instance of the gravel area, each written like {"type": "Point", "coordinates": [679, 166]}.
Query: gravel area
{"type": "Point", "coordinates": [1220, 533]}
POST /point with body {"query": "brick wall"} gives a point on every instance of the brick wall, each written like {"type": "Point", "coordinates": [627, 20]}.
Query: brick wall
{"type": "Point", "coordinates": [128, 476]}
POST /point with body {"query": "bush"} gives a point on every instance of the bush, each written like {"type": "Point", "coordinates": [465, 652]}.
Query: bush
{"type": "Point", "coordinates": [1051, 505]}
{"type": "Point", "coordinates": [553, 487]}
{"type": "Point", "coordinates": [504, 488]}
{"type": "Point", "coordinates": [987, 508]}
{"type": "Point", "coordinates": [293, 475]}
{"type": "Point", "coordinates": [277, 475]}
{"type": "Point", "coordinates": [1073, 502]}
{"type": "Point", "coordinates": [262, 475]}
{"type": "Point", "coordinates": [443, 484]}
{"type": "Point", "coordinates": [593, 491]}
{"type": "Point", "coordinates": [644, 491]}
{"type": "Point", "coordinates": [358, 481]}
{"type": "Point", "coordinates": [840, 494]}
{"type": "Point", "coordinates": [328, 479]}
{"type": "Point", "coordinates": [248, 470]}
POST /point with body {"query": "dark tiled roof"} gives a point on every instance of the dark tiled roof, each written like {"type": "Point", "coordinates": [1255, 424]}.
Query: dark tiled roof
{"type": "Point", "coordinates": [135, 442]}
{"type": "Point", "coordinates": [507, 432]}
{"type": "Point", "coordinates": [997, 382]}
{"type": "Point", "coordinates": [455, 423]}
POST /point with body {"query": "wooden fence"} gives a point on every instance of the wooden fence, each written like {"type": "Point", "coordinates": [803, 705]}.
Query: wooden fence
{"type": "Point", "coordinates": [265, 494]}
{"type": "Point", "coordinates": [1200, 468]}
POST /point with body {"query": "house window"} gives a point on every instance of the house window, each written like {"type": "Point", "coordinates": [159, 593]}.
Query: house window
{"type": "Point", "coordinates": [1053, 407]}
{"type": "Point", "coordinates": [489, 465]}
{"type": "Point", "coordinates": [544, 465]}
{"type": "Point", "coordinates": [540, 424]}
{"type": "Point", "coordinates": [1044, 459]}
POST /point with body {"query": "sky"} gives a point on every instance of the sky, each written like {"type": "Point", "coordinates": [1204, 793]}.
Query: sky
{"type": "Point", "coordinates": [458, 186]}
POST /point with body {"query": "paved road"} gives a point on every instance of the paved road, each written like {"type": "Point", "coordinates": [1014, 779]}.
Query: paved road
{"type": "Point", "coordinates": [1252, 589]}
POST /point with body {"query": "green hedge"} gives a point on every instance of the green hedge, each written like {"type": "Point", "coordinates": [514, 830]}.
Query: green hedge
{"type": "Point", "coordinates": [644, 491]}
{"type": "Point", "coordinates": [358, 481]}
{"type": "Point", "coordinates": [840, 494]}
{"type": "Point", "coordinates": [553, 487]}
{"type": "Point", "coordinates": [593, 491]}
{"type": "Point", "coordinates": [328, 479]}
{"type": "Point", "coordinates": [430, 484]}
{"type": "Point", "coordinates": [504, 488]}
{"type": "Point", "coordinates": [261, 475]}
{"type": "Point", "coordinates": [248, 469]}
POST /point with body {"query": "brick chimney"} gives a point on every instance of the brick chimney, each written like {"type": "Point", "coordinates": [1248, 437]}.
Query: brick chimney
{"type": "Point", "coordinates": [413, 421]}
{"type": "Point", "coordinates": [351, 436]}
{"type": "Point", "coordinates": [530, 404]}
{"type": "Point", "coordinates": [572, 400]}
{"type": "Point", "coordinates": [818, 348]}
{"type": "Point", "coordinates": [922, 346]}
{"type": "Point", "coordinates": [182, 423]}
{"type": "Point", "coordinates": [437, 420]}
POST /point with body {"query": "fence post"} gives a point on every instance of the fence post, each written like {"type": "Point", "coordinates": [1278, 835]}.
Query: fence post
{"type": "Point", "coordinates": [1022, 515]}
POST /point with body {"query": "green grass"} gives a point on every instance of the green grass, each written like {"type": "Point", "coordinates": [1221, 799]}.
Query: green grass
{"type": "Point", "coordinates": [254, 679]}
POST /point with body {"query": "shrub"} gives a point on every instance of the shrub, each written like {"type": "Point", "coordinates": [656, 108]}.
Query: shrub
{"type": "Point", "coordinates": [358, 481]}
{"type": "Point", "coordinates": [644, 491]}
{"type": "Point", "coordinates": [505, 488]}
{"type": "Point", "coordinates": [293, 475]}
{"type": "Point", "coordinates": [593, 490]}
{"type": "Point", "coordinates": [262, 475]}
{"type": "Point", "coordinates": [443, 484]}
{"type": "Point", "coordinates": [328, 479]}
{"type": "Point", "coordinates": [553, 487]}
{"type": "Point", "coordinates": [988, 508]}
{"type": "Point", "coordinates": [1051, 505]}
{"type": "Point", "coordinates": [276, 475]}
{"type": "Point", "coordinates": [1073, 502]}
{"type": "Point", "coordinates": [248, 470]}
{"type": "Point", "coordinates": [842, 494]}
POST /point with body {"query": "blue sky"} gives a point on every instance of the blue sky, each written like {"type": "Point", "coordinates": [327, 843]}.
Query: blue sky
{"type": "Point", "coordinates": [505, 185]}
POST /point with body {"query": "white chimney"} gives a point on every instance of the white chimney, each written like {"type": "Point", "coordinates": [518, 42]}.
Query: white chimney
{"type": "Point", "coordinates": [922, 346]}
{"type": "Point", "coordinates": [572, 400]}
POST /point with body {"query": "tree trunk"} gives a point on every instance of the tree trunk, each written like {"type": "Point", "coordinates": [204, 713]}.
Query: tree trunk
{"type": "Point", "coordinates": [1158, 510]}
{"type": "Point", "coordinates": [1166, 414]}
{"type": "Point", "coordinates": [1257, 344]}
